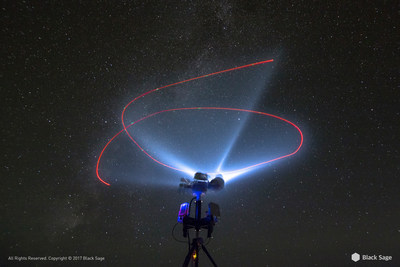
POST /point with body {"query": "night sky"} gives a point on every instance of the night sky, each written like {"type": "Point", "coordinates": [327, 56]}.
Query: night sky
{"type": "Point", "coordinates": [69, 69]}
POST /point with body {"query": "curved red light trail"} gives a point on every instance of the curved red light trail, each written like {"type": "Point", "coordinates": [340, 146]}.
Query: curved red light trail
{"type": "Point", "coordinates": [194, 108]}
{"type": "Point", "coordinates": [185, 81]}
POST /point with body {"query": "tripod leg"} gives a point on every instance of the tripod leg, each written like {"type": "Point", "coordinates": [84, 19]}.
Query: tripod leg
{"type": "Point", "coordinates": [208, 255]}
{"type": "Point", "coordinates": [189, 255]}
{"type": "Point", "coordinates": [196, 261]}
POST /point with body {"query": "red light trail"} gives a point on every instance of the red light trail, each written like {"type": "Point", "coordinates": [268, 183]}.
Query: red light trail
{"type": "Point", "coordinates": [194, 108]}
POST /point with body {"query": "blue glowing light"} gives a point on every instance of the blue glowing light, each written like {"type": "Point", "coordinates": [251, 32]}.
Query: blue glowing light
{"type": "Point", "coordinates": [183, 211]}
{"type": "Point", "coordinates": [204, 151]}
{"type": "Point", "coordinates": [199, 148]}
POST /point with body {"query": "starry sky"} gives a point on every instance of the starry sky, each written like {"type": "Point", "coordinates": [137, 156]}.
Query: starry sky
{"type": "Point", "coordinates": [68, 69]}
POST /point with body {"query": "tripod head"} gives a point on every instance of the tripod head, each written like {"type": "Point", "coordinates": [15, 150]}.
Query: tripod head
{"type": "Point", "coordinates": [201, 183]}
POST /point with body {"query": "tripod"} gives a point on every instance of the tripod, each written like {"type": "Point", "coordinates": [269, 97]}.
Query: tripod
{"type": "Point", "coordinates": [197, 242]}
{"type": "Point", "coordinates": [194, 252]}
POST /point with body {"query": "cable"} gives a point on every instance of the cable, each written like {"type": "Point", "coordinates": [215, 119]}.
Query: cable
{"type": "Point", "coordinates": [173, 236]}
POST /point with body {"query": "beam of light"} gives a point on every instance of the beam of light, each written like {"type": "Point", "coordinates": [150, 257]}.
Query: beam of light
{"type": "Point", "coordinates": [251, 104]}
{"type": "Point", "coordinates": [228, 174]}
{"type": "Point", "coordinates": [159, 88]}
{"type": "Point", "coordinates": [231, 143]}
{"type": "Point", "coordinates": [185, 81]}
{"type": "Point", "coordinates": [181, 167]}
